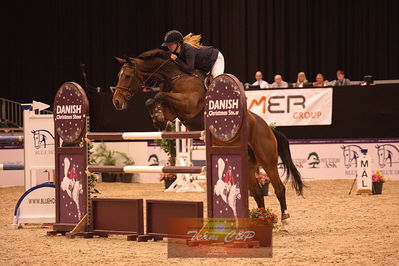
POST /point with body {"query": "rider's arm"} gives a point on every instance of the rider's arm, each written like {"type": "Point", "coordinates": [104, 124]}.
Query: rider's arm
{"type": "Point", "coordinates": [190, 59]}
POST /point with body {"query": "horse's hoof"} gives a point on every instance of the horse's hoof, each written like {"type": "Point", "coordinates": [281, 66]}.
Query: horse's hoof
{"type": "Point", "coordinates": [285, 218]}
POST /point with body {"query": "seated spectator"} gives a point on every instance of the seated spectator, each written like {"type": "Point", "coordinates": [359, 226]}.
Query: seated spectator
{"type": "Point", "coordinates": [301, 80]}
{"type": "Point", "coordinates": [341, 80]}
{"type": "Point", "coordinates": [279, 83]}
{"type": "Point", "coordinates": [259, 81]}
{"type": "Point", "coordinates": [320, 82]}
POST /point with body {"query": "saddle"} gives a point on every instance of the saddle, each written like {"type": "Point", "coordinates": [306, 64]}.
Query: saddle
{"type": "Point", "coordinates": [205, 77]}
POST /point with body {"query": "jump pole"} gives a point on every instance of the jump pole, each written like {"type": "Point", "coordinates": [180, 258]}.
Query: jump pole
{"type": "Point", "coordinates": [11, 139]}
{"type": "Point", "coordinates": [145, 135]}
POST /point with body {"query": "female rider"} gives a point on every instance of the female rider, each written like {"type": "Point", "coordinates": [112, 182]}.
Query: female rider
{"type": "Point", "coordinates": [188, 53]}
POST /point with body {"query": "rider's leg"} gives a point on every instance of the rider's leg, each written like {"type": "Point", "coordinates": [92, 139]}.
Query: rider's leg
{"type": "Point", "coordinates": [218, 67]}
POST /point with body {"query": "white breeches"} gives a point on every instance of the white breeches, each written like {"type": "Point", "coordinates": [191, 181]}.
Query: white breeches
{"type": "Point", "coordinates": [218, 67]}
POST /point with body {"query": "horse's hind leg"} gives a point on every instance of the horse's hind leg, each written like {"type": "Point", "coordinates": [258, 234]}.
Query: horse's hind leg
{"type": "Point", "coordinates": [264, 145]}
{"type": "Point", "coordinates": [279, 189]}
{"type": "Point", "coordinates": [253, 185]}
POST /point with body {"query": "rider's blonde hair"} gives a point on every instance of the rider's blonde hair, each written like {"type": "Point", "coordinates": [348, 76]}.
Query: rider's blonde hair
{"type": "Point", "coordinates": [193, 40]}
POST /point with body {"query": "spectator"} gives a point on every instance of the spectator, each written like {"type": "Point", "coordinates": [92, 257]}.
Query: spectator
{"type": "Point", "coordinates": [259, 81]}
{"type": "Point", "coordinates": [341, 80]}
{"type": "Point", "coordinates": [320, 82]}
{"type": "Point", "coordinates": [301, 80]}
{"type": "Point", "coordinates": [279, 83]}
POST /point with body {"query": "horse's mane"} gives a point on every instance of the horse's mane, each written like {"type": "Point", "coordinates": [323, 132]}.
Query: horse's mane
{"type": "Point", "coordinates": [155, 53]}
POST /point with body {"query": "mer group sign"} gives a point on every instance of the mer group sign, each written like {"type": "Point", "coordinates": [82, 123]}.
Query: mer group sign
{"type": "Point", "coordinates": [294, 107]}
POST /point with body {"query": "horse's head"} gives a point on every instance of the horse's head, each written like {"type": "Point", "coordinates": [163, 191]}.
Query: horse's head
{"type": "Point", "coordinates": [135, 73]}
{"type": "Point", "coordinates": [129, 83]}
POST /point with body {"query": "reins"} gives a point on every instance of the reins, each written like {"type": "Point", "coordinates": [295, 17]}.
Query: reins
{"type": "Point", "coordinates": [143, 82]}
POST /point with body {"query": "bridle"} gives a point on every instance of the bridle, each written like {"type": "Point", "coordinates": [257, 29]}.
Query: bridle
{"type": "Point", "coordinates": [141, 79]}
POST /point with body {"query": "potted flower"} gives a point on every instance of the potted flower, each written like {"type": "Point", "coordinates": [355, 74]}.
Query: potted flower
{"type": "Point", "coordinates": [168, 146]}
{"type": "Point", "coordinates": [262, 222]}
{"type": "Point", "coordinates": [378, 180]}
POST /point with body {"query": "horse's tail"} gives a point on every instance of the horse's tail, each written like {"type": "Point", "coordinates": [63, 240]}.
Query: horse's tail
{"type": "Point", "coordinates": [285, 155]}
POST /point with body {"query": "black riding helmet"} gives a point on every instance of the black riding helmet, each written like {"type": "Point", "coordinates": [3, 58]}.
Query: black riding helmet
{"type": "Point", "coordinates": [171, 37]}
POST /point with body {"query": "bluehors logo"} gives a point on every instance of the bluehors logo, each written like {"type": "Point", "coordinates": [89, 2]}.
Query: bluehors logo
{"type": "Point", "coordinates": [386, 153]}
{"type": "Point", "coordinates": [42, 138]}
{"type": "Point", "coordinates": [351, 154]}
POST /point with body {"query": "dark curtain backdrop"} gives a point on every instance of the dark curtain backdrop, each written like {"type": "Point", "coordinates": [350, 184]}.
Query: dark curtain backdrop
{"type": "Point", "coordinates": [44, 42]}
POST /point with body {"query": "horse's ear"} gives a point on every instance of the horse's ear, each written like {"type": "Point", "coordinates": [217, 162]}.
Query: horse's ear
{"type": "Point", "coordinates": [120, 60]}
{"type": "Point", "coordinates": [131, 61]}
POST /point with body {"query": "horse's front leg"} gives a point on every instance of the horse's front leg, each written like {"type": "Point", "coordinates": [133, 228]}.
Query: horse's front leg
{"type": "Point", "coordinates": [159, 113]}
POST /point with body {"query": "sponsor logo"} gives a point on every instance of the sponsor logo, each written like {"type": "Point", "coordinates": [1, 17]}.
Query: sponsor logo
{"type": "Point", "coordinates": [279, 104]}
{"type": "Point", "coordinates": [313, 160]}
{"type": "Point", "coordinates": [42, 201]}
{"type": "Point", "coordinates": [153, 160]}
{"type": "Point", "coordinates": [387, 154]}
{"type": "Point", "coordinates": [42, 138]}
{"type": "Point", "coordinates": [351, 155]}
{"type": "Point", "coordinates": [285, 104]}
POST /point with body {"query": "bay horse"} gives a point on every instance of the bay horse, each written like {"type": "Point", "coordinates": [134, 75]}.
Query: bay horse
{"type": "Point", "coordinates": [182, 96]}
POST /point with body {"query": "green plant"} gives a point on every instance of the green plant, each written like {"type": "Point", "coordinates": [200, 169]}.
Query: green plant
{"type": "Point", "coordinates": [262, 216]}
{"type": "Point", "coordinates": [105, 156]}
{"type": "Point", "coordinates": [108, 157]}
{"type": "Point", "coordinates": [127, 160]}
{"type": "Point", "coordinates": [93, 177]}
{"type": "Point", "coordinates": [169, 145]}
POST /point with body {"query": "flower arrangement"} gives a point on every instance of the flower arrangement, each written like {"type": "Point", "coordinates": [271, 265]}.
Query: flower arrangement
{"type": "Point", "coordinates": [378, 177]}
{"type": "Point", "coordinates": [263, 216]}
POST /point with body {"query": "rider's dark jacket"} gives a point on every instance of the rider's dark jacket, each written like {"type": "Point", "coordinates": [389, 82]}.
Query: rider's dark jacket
{"type": "Point", "coordinates": [191, 58]}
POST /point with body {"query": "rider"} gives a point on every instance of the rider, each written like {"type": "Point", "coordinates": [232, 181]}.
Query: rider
{"type": "Point", "coordinates": [228, 177]}
{"type": "Point", "coordinates": [190, 54]}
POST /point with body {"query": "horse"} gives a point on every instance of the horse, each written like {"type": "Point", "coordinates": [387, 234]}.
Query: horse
{"type": "Point", "coordinates": [182, 96]}
{"type": "Point", "coordinates": [385, 154]}
{"type": "Point", "coordinates": [350, 155]}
